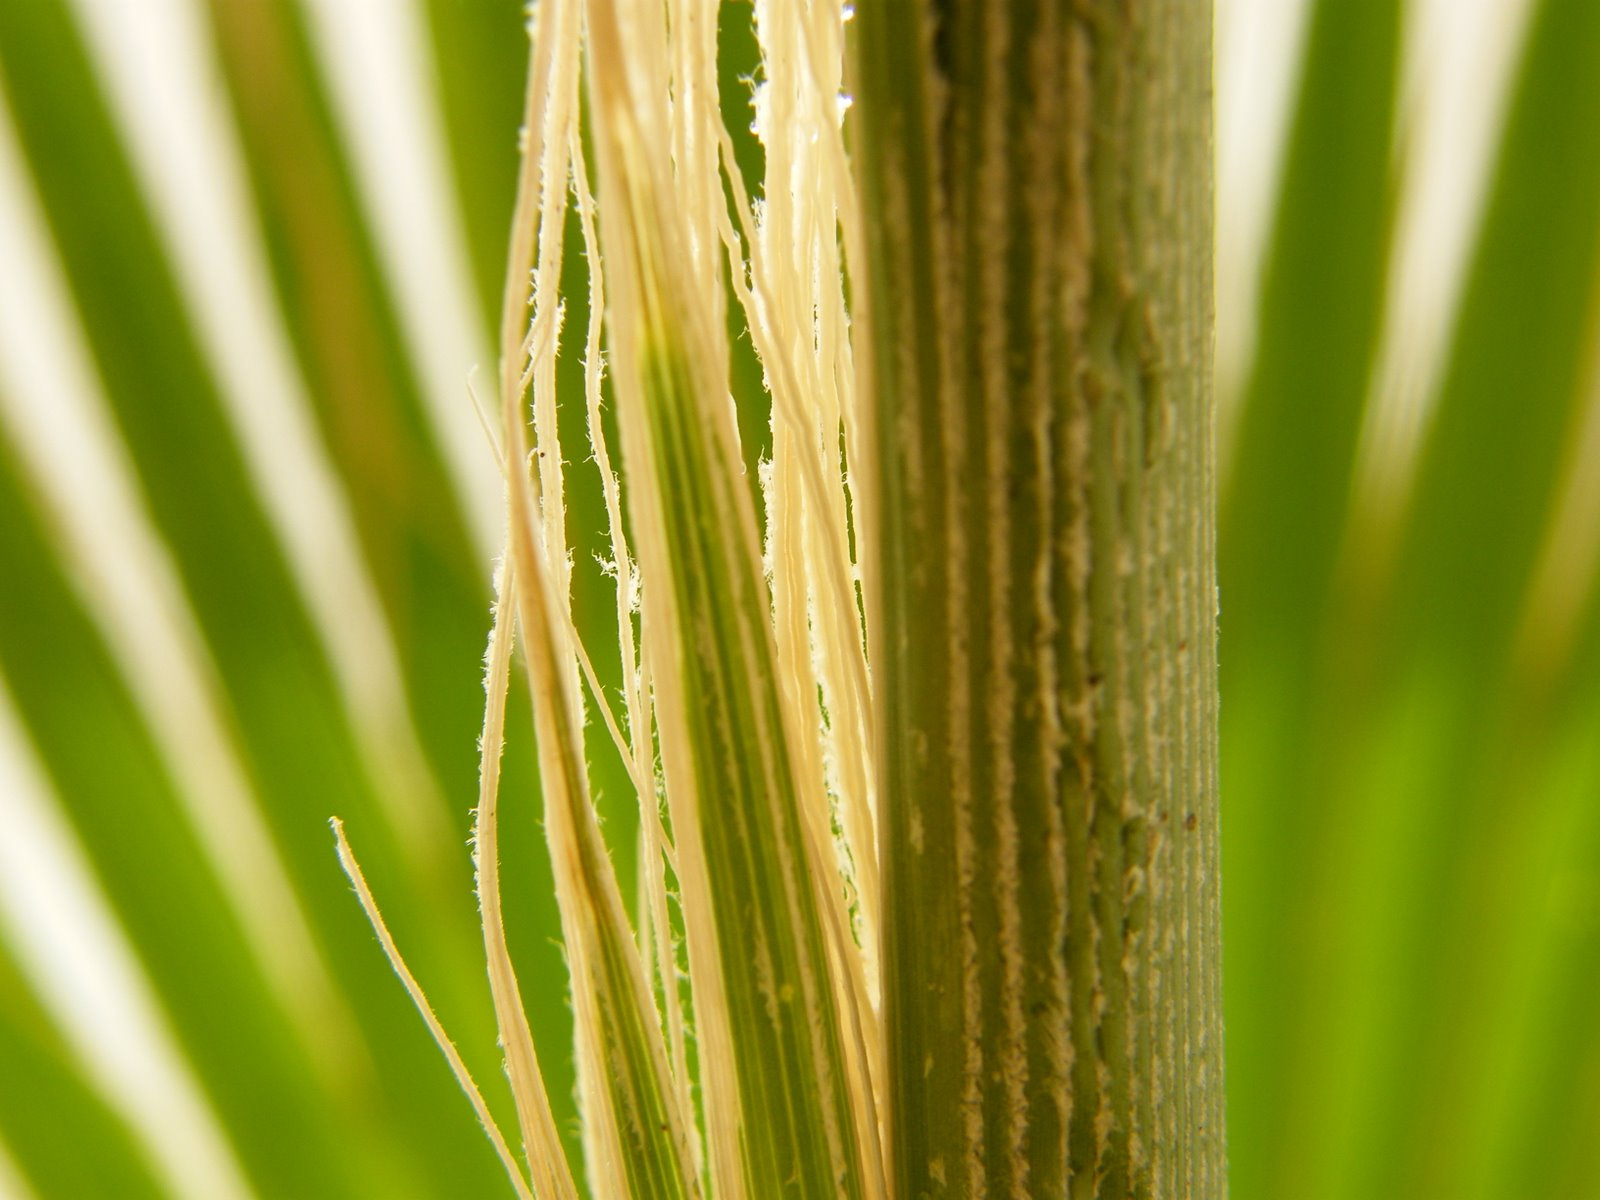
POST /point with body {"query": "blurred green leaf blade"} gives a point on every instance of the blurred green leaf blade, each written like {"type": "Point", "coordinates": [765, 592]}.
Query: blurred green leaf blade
{"type": "Point", "coordinates": [63, 1137]}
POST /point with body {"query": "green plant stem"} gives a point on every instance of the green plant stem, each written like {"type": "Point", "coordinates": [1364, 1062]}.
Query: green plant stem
{"type": "Point", "coordinates": [1035, 188]}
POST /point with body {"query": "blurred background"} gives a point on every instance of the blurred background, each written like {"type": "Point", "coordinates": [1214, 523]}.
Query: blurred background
{"type": "Point", "coordinates": [249, 256]}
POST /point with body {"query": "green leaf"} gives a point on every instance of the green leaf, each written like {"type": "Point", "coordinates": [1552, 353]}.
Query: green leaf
{"type": "Point", "coordinates": [296, 740]}
{"type": "Point", "coordinates": [1281, 532]}
{"type": "Point", "coordinates": [62, 1136]}
{"type": "Point", "coordinates": [254, 1065]}
{"type": "Point", "coordinates": [1408, 726]}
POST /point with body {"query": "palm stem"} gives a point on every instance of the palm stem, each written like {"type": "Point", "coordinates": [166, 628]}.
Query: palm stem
{"type": "Point", "coordinates": [1035, 185]}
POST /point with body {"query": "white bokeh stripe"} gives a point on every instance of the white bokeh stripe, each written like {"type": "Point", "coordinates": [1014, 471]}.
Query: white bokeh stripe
{"type": "Point", "coordinates": [1259, 48]}
{"type": "Point", "coordinates": [1457, 64]}
{"type": "Point", "coordinates": [12, 1184]}
{"type": "Point", "coordinates": [69, 945]}
{"type": "Point", "coordinates": [374, 56]}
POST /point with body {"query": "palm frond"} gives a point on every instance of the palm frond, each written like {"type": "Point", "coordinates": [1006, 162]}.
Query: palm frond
{"type": "Point", "coordinates": [246, 519]}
